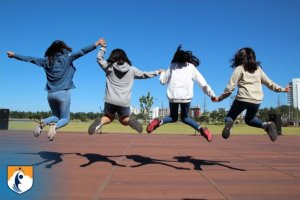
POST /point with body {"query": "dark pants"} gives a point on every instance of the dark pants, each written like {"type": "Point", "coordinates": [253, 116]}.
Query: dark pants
{"type": "Point", "coordinates": [184, 115]}
{"type": "Point", "coordinates": [251, 109]}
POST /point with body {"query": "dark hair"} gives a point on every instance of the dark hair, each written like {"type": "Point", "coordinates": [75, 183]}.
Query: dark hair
{"type": "Point", "coordinates": [181, 56]}
{"type": "Point", "coordinates": [246, 57]}
{"type": "Point", "coordinates": [57, 46]}
{"type": "Point", "coordinates": [119, 56]}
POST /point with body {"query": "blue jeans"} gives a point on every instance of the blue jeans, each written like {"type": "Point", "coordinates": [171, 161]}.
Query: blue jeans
{"type": "Point", "coordinates": [173, 117]}
{"type": "Point", "coordinates": [59, 102]}
{"type": "Point", "coordinates": [251, 109]}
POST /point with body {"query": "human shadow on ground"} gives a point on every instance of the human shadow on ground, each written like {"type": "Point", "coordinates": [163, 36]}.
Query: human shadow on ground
{"type": "Point", "coordinates": [48, 156]}
{"type": "Point", "coordinates": [92, 158]}
{"type": "Point", "coordinates": [142, 160]}
{"type": "Point", "coordinates": [198, 163]}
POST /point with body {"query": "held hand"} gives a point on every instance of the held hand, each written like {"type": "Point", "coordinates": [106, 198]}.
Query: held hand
{"type": "Point", "coordinates": [215, 99]}
{"type": "Point", "coordinates": [287, 89]}
{"type": "Point", "coordinates": [102, 42]}
{"type": "Point", "coordinates": [160, 71]}
{"type": "Point", "coordinates": [10, 54]}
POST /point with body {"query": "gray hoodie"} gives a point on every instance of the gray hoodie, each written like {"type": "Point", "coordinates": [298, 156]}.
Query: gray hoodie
{"type": "Point", "coordinates": [119, 80]}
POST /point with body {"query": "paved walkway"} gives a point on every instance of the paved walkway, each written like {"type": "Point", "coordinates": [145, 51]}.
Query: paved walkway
{"type": "Point", "coordinates": [77, 166]}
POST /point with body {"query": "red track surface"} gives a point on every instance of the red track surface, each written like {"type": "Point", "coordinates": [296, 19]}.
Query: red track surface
{"type": "Point", "coordinates": [141, 166]}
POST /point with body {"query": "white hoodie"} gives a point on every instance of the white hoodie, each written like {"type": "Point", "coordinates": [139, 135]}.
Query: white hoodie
{"type": "Point", "coordinates": [180, 78]}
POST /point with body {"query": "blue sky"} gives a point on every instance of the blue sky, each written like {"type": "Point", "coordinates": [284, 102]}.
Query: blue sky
{"type": "Point", "coordinates": [149, 31]}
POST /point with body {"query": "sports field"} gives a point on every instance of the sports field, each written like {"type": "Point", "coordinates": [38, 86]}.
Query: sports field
{"type": "Point", "coordinates": [176, 128]}
{"type": "Point", "coordinates": [152, 166]}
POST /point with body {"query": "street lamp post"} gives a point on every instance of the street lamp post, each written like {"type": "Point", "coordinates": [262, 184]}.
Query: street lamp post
{"type": "Point", "coordinates": [297, 115]}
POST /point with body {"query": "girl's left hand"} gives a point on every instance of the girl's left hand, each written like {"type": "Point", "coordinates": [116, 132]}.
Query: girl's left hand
{"type": "Point", "coordinates": [215, 99]}
{"type": "Point", "coordinates": [10, 54]}
{"type": "Point", "coordinates": [287, 89]}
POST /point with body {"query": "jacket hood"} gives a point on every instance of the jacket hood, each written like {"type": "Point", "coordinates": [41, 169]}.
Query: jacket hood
{"type": "Point", "coordinates": [121, 68]}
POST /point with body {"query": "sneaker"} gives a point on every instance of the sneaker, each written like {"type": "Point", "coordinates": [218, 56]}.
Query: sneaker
{"type": "Point", "coordinates": [38, 129]}
{"type": "Point", "coordinates": [153, 125]}
{"type": "Point", "coordinates": [52, 132]}
{"type": "Point", "coordinates": [205, 132]}
{"type": "Point", "coordinates": [133, 123]}
{"type": "Point", "coordinates": [271, 129]}
{"type": "Point", "coordinates": [227, 129]}
{"type": "Point", "coordinates": [96, 125]}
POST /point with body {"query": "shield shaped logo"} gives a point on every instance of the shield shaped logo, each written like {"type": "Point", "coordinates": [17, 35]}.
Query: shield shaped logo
{"type": "Point", "coordinates": [19, 178]}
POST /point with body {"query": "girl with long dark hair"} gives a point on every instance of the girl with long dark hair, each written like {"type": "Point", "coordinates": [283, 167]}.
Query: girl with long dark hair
{"type": "Point", "coordinates": [58, 66]}
{"type": "Point", "coordinates": [180, 77]}
{"type": "Point", "coordinates": [249, 77]}
{"type": "Point", "coordinates": [120, 75]}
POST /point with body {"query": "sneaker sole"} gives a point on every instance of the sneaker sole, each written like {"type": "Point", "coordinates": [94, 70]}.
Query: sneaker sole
{"type": "Point", "coordinates": [51, 133]}
{"type": "Point", "coordinates": [94, 127]}
{"type": "Point", "coordinates": [37, 134]}
{"type": "Point", "coordinates": [206, 133]}
{"type": "Point", "coordinates": [37, 131]}
{"type": "Point", "coordinates": [136, 126]}
{"type": "Point", "coordinates": [51, 136]}
{"type": "Point", "coordinates": [227, 129]}
{"type": "Point", "coordinates": [150, 128]}
{"type": "Point", "coordinates": [272, 132]}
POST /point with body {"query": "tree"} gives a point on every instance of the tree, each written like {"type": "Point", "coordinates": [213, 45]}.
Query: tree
{"type": "Point", "coordinates": [214, 116]}
{"type": "Point", "coordinates": [146, 103]}
{"type": "Point", "coordinates": [221, 114]}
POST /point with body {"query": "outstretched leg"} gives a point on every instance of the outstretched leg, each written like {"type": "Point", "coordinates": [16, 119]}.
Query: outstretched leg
{"type": "Point", "coordinates": [236, 108]}
{"type": "Point", "coordinates": [173, 117]}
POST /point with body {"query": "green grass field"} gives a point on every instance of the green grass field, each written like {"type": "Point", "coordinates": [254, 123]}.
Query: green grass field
{"type": "Point", "coordinates": [176, 128]}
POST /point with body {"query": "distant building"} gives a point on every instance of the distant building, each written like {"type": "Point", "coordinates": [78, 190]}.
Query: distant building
{"type": "Point", "coordinates": [154, 113]}
{"type": "Point", "coordinates": [158, 112]}
{"type": "Point", "coordinates": [195, 111]}
{"type": "Point", "coordinates": [134, 110]}
{"type": "Point", "coordinates": [293, 97]}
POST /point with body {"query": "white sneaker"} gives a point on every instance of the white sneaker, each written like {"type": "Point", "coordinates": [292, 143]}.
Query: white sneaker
{"type": "Point", "coordinates": [38, 129]}
{"type": "Point", "coordinates": [52, 132]}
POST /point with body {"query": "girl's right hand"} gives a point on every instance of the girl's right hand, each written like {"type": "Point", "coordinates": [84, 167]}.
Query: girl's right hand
{"type": "Point", "coordinates": [10, 54]}
{"type": "Point", "coordinates": [101, 42]}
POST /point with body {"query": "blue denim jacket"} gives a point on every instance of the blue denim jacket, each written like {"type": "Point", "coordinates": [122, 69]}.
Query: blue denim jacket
{"type": "Point", "coordinates": [60, 75]}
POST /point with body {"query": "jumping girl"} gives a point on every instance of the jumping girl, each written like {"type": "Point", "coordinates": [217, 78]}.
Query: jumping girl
{"type": "Point", "coordinates": [180, 78]}
{"type": "Point", "coordinates": [249, 77]}
{"type": "Point", "coordinates": [120, 75]}
{"type": "Point", "coordinates": [58, 66]}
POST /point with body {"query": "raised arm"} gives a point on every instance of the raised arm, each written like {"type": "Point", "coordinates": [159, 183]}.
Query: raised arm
{"type": "Point", "coordinates": [85, 50]}
{"type": "Point", "coordinates": [270, 84]}
{"type": "Point", "coordinates": [36, 61]}
{"type": "Point", "coordinates": [100, 56]}
{"type": "Point", "coordinates": [144, 75]}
